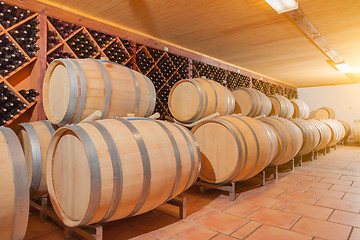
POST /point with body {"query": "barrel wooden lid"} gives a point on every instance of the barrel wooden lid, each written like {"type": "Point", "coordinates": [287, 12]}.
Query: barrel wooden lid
{"type": "Point", "coordinates": [72, 166]}
{"type": "Point", "coordinates": [222, 148]}
{"type": "Point", "coordinates": [276, 105]}
{"type": "Point", "coordinates": [244, 102]}
{"type": "Point", "coordinates": [184, 100]}
{"type": "Point", "coordinates": [57, 93]}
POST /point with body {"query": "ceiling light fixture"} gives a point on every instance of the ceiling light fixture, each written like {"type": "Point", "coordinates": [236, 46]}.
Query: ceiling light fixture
{"type": "Point", "coordinates": [343, 67]}
{"type": "Point", "coordinates": [282, 6]}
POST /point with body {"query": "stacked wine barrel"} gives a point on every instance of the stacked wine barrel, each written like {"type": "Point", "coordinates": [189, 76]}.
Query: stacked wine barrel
{"type": "Point", "coordinates": [301, 109]}
{"type": "Point", "coordinates": [311, 135]}
{"type": "Point", "coordinates": [251, 102]}
{"type": "Point", "coordinates": [193, 99]}
{"type": "Point", "coordinates": [281, 106]}
{"type": "Point", "coordinates": [337, 131]}
{"type": "Point", "coordinates": [356, 130]}
{"type": "Point", "coordinates": [323, 113]}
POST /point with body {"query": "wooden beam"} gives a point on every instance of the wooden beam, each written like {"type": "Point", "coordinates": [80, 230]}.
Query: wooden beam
{"type": "Point", "coordinates": [304, 24]}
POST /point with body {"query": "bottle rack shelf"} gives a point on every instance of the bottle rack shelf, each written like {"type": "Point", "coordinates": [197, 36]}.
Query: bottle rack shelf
{"type": "Point", "coordinates": [68, 40]}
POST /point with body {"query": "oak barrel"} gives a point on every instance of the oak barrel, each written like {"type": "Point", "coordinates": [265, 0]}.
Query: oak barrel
{"type": "Point", "coordinates": [14, 194]}
{"type": "Point", "coordinates": [115, 168]}
{"type": "Point", "coordinates": [234, 148]}
{"type": "Point", "coordinates": [347, 130]}
{"type": "Point", "coordinates": [356, 131]}
{"type": "Point", "coordinates": [75, 88]}
{"type": "Point", "coordinates": [289, 138]}
{"type": "Point", "coordinates": [325, 133]}
{"type": "Point", "coordinates": [193, 99]}
{"type": "Point", "coordinates": [251, 102]}
{"type": "Point", "coordinates": [35, 138]}
{"type": "Point", "coordinates": [323, 113]}
{"type": "Point", "coordinates": [281, 106]}
{"type": "Point", "coordinates": [301, 109]}
{"type": "Point", "coordinates": [311, 136]}
{"type": "Point", "coordinates": [337, 131]}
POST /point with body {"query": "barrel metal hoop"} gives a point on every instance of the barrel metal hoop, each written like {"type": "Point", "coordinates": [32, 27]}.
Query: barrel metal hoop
{"type": "Point", "coordinates": [192, 156]}
{"type": "Point", "coordinates": [195, 117]}
{"type": "Point", "coordinates": [267, 131]}
{"type": "Point", "coordinates": [257, 144]}
{"type": "Point", "coordinates": [198, 154]}
{"type": "Point", "coordinates": [227, 123]}
{"type": "Point", "coordinates": [216, 96]}
{"type": "Point", "coordinates": [36, 158]}
{"type": "Point", "coordinates": [206, 100]}
{"type": "Point", "coordinates": [146, 164]}
{"type": "Point", "coordinates": [153, 96]}
{"type": "Point", "coordinates": [177, 158]}
{"type": "Point", "coordinates": [105, 74]}
{"type": "Point", "coordinates": [117, 170]}
{"type": "Point", "coordinates": [21, 184]}
{"type": "Point", "coordinates": [82, 79]}
{"type": "Point", "coordinates": [137, 90]}
{"type": "Point", "coordinates": [95, 174]}
{"type": "Point", "coordinates": [48, 125]}
{"type": "Point", "coordinates": [70, 111]}
{"type": "Point", "coordinates": [147, 113]}
{"type": "Point", "coordinates": [253, 107]}
{"type": "Point", "coordinates": [283, 140]}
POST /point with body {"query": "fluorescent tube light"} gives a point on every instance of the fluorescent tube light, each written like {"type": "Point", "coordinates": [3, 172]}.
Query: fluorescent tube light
{"type": "Point", "coordinates": [343, 67]}
{"type": "Point", "coordinates": [282, 6]}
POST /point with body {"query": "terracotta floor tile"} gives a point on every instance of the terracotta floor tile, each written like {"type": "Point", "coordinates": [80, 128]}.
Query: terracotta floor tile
{"type": "Point", "coordinates": [292, 179]}
{"type": "Point", "coordinates": [303, 172]}
{"type": "Point", "coordinates": [274, 217]}
{"type": "Point", "coordinates": [242, 209]}
{"type": "Point", "coordinates": [260, 200]}
{"type": "Point", "coordinates": [345, 189]}
{"type": "Point", "coordinates": [326, 193]}
{"type": "Point", "coordinates": [347, 218]}
{"type": "Point", "coordinates": [326, 175]}
{"type": "Point", "coordinates": [321, 228]}
{"type": "Point", "coordinates": [305, 197]}
{"type": "Point", "coordinates": [308, 210]}
{"type": "Point", "coordinates": [196, 233]}
{"type": "Point", "coordinates": [315, 184]}
{"type": "Point", "coordinates": [355, 184]}
{"type": "Point", "coordinates": [171, 230]}
{"type": "Point", "coordinates": [223, 237]}
{"type": "Point", "coordinates": [143, 237]}
{"type": "Point", "coordinates": [355, 234]}
{"type": "Point", "coordinates": [199, 213]}
{"type": "Point", "coordinates": [221, 222]}
{"type": "Point", "coordinates": [337, 181]}
{"type": "Point", "coordinates": [350, 178]}
{"type": "Point", "coordinates": [281, 205]}
{"type": "Point", "coordinates": [220, 203]}
{"type": "Point", "coordinates": [352, 197]}
{"type": "Point", "coordinates": [246, 230]}
{"type": "Point", "coordinates": [339, 204]}
{"type": "Point", "coordinates": [266, 232]}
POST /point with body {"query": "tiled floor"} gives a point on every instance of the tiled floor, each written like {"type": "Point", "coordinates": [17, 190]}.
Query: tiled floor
{"type": "Point", "coordinates": [320, 200]}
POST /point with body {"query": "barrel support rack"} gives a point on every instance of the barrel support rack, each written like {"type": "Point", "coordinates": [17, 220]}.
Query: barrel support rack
{"type": "Point", "coordinates": [94, 231]}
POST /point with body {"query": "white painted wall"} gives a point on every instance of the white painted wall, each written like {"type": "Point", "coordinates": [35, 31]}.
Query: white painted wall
{"type": "Point", "coordinates": [344, 99]}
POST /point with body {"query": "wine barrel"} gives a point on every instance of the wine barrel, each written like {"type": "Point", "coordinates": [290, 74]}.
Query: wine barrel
{"type": "Point", "coordinates": [311, 136]}
{"type": "Point", "coordinates": [115, 168]}
{"type": "Point", "coordinates": [337, 131]}
{"type": "Point", "coordinates": [14, 194]}
{"type": "Point", "coordinates": [301, 109]}
{"type": "Point", "coordinates": [75, 88]}
{"type": "Point", "coordinates": [193, 99]}
{"type": "Point", "coordinates": [234, 148]}
{"type": "Point", "coordinates": [281, 106]}
{"type": "Point", "coordinates": [325, 133]}
{"type": "Point", "coordinates": [323, 113]}
{"type": "Point", "coordinates": [251, 102]}
{"type": "Point", "coordinates": [34, 138]}
{"type": "Point", "coordinates": [289, 138]}
{"type": "Point", "coordinates": [347, 130]}
{"type": "Point", "coordinates": [356, 131]}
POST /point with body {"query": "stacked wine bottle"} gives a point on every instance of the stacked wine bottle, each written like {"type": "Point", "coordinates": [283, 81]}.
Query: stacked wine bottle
{"type": "Point", "coordinates": [59, 54]}
{"type": "Point", "coordinates": [10, 56]}
{"type": "Point", "coordinates": [10, 104]}
{"type": "Point", "coordinates": [144, 61]}
{"type": "Point", "coordinates": [65, 29]}
{"type": "Point", "coordinates": [30, 95]}
{"type": "Point", "coordinates": [101, 38]}
{"type": "Point", "coordinates": [52, 40]}
{"type": "Point", "coordinates": [166, 67]}
{"type": "Point", "coordinates": [82, 45]}
{"type": "Point", "coordinates": [10, 15]}
{"type": "Point", "coordinates": [116, 53]}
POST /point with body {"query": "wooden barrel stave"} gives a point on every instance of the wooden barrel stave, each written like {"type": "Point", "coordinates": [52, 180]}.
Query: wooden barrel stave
{"type": "Point", "coordinates": [94, 85]}
{"type": "Point", "coordinates": [347, 129]}
{"type": "Point", "coordinates": [337, 131]}
{"type": "Point", "coordinates": [301, 109]}
{"type": "Point", "coordinates": [325, 133]}
{"type": "Point", "coordinates": [281, 106]}
{"type": "Point", "coordinates": [127, 159]}
{"type": "Point", "coordinates": [311, 136]}
{"type": "Point", "coordinates": [15, 192]}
